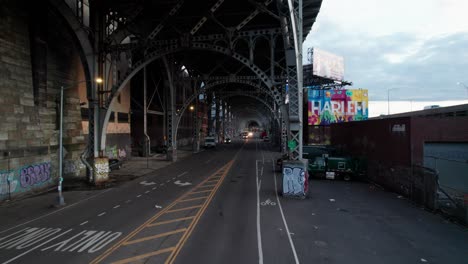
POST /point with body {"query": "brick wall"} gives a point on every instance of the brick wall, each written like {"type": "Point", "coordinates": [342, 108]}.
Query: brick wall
{"type": "Point", "coordinates": [29, 129]}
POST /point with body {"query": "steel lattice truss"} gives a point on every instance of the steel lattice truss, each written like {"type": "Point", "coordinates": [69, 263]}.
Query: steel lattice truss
{"type": "Point", "coordinates": [237, 48]}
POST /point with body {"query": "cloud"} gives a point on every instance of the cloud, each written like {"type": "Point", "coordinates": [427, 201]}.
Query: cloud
{"type": "Point", "coordinates": [422, 64]}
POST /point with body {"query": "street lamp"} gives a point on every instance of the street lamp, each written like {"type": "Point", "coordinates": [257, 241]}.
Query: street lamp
{"type": "Point", "coordinates": [388, 99]}
{"type": "Point", "coordinates": [192, 108]}
{"type": "Point", "coordinates": [464, 85]}
{"type": "Point", "coordinates": [61, 200]}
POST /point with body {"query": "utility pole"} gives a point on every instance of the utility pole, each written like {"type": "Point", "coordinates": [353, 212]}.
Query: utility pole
{"type": "Point", "coordinates": [388, 99]}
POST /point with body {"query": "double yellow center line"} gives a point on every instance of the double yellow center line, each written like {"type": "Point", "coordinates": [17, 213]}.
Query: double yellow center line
{"type": "Point", "coordinates": [213, 183]}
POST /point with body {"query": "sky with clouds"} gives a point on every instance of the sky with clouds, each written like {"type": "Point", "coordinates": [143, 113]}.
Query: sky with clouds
{"type": "Point", "coordinates": [416, 48]}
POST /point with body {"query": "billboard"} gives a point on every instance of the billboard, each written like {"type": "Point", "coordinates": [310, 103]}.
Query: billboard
{"type": "Point", "coordinates": [327, 65]}
{"type": "Point", "coordinates": [336, 106]}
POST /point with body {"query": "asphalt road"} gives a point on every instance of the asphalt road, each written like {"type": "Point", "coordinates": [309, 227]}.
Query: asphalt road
{"type": "Point", "coordinates": [223, 206]}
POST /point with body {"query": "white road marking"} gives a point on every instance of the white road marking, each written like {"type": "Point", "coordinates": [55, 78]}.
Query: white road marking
{"type": "Point", "coordinates": [332, 200]}
{"type": "Point", "coordinates": [268, 202]}
{"type": "Point", "coordinates": [154, 188]}
{"type": "Point", "coordinates": [128, 201]}
{"type": "Point", "coordinates": [147, 183]}
{"type": "Point", "coordinates": [117, 206]}
{"type": "Point", "coordinates": [259, 233]}
{"type": "Point", "coordinates": [168, 181]}
{"type": "Point", "coordinates": [54, 212]}
{"type": "Point", "coordinates": [178, 182]}
{"type": "Point", "coordinates": [284, 218]}
{"type": "Point", "coordinates": [84, 223]}
{"type": "Point", "coordinates": [138, 196]}
{"type": "Point", "coordinates": [147, 191]}
{"type": "Point", "coordinates": [182, 174]}
{"type": "Point", "coordinates": [423, 260]}
{"type": "Point", "coordinates": [101, 214]}
{"type": "Point", "coordinates": [34, 248]}
{"type": "Point", "coordinates": [158, 206]}
{"type": "Point", "coordinates": [161, 184]}
{"type": "Point", "coordinates": [260, 185]}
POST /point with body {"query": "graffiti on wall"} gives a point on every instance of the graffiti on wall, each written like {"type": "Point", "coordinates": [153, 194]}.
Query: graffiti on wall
{"type": "Point", "coordinates": [295, 182]}
{"type": "Point", "coordinates": [35, 174]}
{"type": "Point", "coordinates": [336, 106]}
{"type": "Point", "coordinates": [101, 169]}
{"type": "Point", "coordinates": [116, 153]}
{"type": "Point", "coordinates": [74, 167]}
{"type": "Point", "coordinates": [24, 178]}
{"type": "Point", "coordinates": [7, 182]}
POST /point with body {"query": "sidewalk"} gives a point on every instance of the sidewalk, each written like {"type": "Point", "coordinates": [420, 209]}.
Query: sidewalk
{"type": "Point", "coordinates": [26, 209]}
{"type": "Point", "coordinates": [140, 166]}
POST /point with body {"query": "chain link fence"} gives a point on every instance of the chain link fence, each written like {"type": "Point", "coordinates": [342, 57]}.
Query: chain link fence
{"type": "Point", "coordinates": [423, 186]}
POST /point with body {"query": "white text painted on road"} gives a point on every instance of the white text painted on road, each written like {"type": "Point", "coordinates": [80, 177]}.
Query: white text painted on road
{"type": "Point", "coordinates": [33, 238]}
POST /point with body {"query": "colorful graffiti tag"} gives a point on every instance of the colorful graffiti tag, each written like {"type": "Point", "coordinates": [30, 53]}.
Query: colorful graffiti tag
{"type": "Point", "coordinates": [336, 106]}
{"type": "Point", "coordinates": [115, 153]}
{"type": "Point", "coordinates": [295, 180]}
{"type": "Point", "coordinates": [24, 179]}
{"type": "Point", "coordinates": [34, 174]}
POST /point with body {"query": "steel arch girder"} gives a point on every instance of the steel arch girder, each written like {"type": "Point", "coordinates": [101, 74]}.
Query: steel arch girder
{"type": "Point", "coordinates": [211, 86]}
{"type": "Point", "coordinates": [265, 103]}
{"type": "Point", "coordinates": [159, 54]}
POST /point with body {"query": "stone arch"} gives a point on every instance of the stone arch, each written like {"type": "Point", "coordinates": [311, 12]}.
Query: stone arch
{"type": "Point", "coordinates": [86, 50]}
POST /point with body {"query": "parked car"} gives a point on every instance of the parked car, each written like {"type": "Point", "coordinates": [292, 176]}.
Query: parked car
{"type": "Point", "coordinates": [227, 140]}
{"type": "Point", "coordinates": [210, 142]}
{"type": "Point", "coordinates": [115, 164]}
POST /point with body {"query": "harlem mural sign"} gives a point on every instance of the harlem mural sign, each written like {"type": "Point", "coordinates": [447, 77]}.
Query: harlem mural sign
{"type": "Point", "coordinates": [335, 106]}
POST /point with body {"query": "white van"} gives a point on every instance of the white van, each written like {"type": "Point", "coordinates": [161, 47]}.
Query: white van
{"type": "Point", "coordinates": [210, 142]}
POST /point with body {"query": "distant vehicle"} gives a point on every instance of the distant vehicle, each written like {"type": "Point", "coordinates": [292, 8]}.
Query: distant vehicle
{"type": "Point", "coordinates": [210, 142]}
{"type": "Point", "coordinates": [227, 140]}
{"type": "Point", "coordinates": [266, 139]}
{"type": "Point", "coordinates": [431, 107]}
{"type": "Point", "coordinates": [245, 136]}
